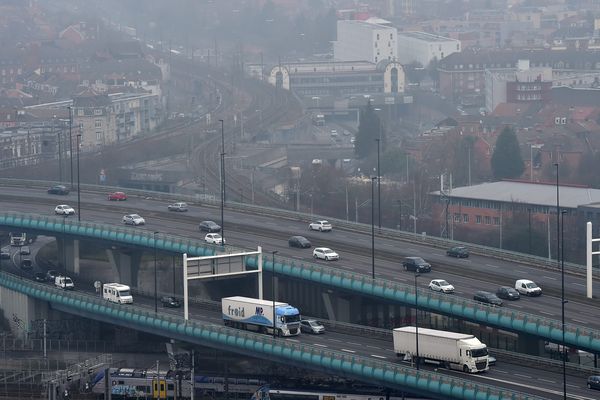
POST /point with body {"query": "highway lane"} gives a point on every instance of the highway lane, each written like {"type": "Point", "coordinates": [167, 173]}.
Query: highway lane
{"type": "Point", "coordinates": [467, 275]}
{"type": "Point", "coordinates": [509, 375]}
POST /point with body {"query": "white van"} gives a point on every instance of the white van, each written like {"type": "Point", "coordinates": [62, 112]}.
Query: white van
{"type": "Point", "coordinates": [117, 293]}
{"type": "Point", "coordinates": [64, 282]}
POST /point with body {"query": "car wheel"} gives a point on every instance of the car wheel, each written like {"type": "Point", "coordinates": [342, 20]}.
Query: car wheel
{"type": "Point", "coordinates": [315, 256]}
{"type": "Point", "coordinates": [406, 268]}
{"type": "Point", "coordinates": [589, 386]}
{"type": "Point", "coordinates": [320, 229]}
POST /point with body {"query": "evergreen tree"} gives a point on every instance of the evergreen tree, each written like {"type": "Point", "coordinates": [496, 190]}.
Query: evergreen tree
{"type": "Point", "coordinates": [369, 129]}
{"type": "Point", "coordinates": [506, 160]}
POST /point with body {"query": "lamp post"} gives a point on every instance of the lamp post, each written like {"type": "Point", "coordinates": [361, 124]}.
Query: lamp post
{"type": "Point", "coordinates": [560, 253]}
{"type": "Point", "coordinates": [416, 321]}
{"type": "Point", "coordinates": [529, 217]}
{"type": "Point", "coordinates": [71, 142]}
{"type": "Point", "coordinates": [373, 226]}
{"type": "Point", "coordinates": [155, 277]}
{"type": "Point", "coordinates": [378, 179]}
{"type": "Point", "coordinates": [222, 181]}
{"type": "Point", "coordinates": [78, 181]}
{"type": "Point", "coordinates": [64, 244]}
{"type": "Point", "coordinates": [273, 294]}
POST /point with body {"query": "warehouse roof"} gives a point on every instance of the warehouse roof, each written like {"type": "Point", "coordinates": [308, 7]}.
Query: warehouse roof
{"type": "Point", "coordinates": [543, 194]}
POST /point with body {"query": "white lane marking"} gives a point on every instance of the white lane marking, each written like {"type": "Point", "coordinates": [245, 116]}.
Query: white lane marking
{"type": "Point", "coordinates": [320, 345]}
{"type": "Point", "coordinates": [500, 372]}
{"type": "Point", "coordinates": [296, 340]}
{"type": "Point", "coordinates": [516, 306]}
{"type": "Point", "coordinates": [546, 313]}
{"type": "Point", "coordinates": [355, 344]}
{"type": "Point", "coordinates": [492, 265]}
{"type": "Point", "coordinates": [523, 376]}
{"type": "Point", "coordinates": [376, 356]}
{"type": "Point", "coordinates": [550, 277]}
{"type": "Point", "coordinates": [334, 340]}
{"type": "Point", "coordinates": [579, 321]}
{"type": "Point", "coordinates": [523, 272]}
{"type": "Point", "coordinates": [574, 386]}
{"type": "Point", "coordinates": [546, 380]}
{"type": "Point", "coordinates": [349, 351]}
{"type": "Point", "coordinates": [373, 347]}
{"type": "Point", "coordinates": [579, 284]}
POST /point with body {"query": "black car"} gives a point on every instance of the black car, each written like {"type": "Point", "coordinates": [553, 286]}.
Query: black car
{"type": "Point", "coordinates": [299, 241]}
{"type": "Point", "coordinates": [487, 297]}
{"type": "Point", "coordinates": [170, 301]}
{"type": "Point", "coordinates": [508, 293]}
{"type": "Point", "coordinates": [26, 263]}
{"type": "Point", "coordinates": [593, 382]}
{"type": "Point", "coordinates": [416, 264]}
{"type": "Point", "coordinates": [40, 277]}
{"type": "Point", "coordinates": [58, 189]}
{"type": "Point", "coordinates": [209, 226]}
{"type": "Point", "coordinates": [458, 252]}
{"type": "Point", "coordinates": [25, 251]}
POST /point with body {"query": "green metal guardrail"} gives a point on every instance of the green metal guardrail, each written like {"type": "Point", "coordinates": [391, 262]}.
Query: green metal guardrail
{"type": "Point", "coordinates": [380, 372]}
{"type": "Point", "coordinates": [575, 335]}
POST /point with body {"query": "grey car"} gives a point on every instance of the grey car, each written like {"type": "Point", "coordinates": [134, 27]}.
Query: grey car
{"type": "Point", "coordinates": [209, 226]}
{"type": "Point", "coordinates": [487, 297]}
{"type": "Point", "coordinates": [180, 207]}
{"type": "Point", "coordinates": [311, 326]}
{"type": "Point", "coordinates": [416, 264]}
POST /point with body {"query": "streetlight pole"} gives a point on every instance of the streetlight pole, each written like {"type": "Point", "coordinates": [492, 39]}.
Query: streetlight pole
{"type": "Point", "coordinates": [529, 215]}
{"type": "Point", "coordinates": [155, 277]}
{"type": "Point", "coordinates": [378, 179]}
{"type": "Point", "coordinates": [78, 181]}
{"type": "Point", "coordinates": [222, 181]}
{"type": "Point", "coordinates": [560, 252]}
{"type": "Point", "coordinates": [71, 142]}
{"type": "Point", "coordinates": [273, 294]}
{"type": "Point", "coordinates": [373, 226]}
{"type": "Point", "coordinates": [417, 320]}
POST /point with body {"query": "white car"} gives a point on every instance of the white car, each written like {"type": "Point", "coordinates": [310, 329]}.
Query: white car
{"type": "Point", "coordinates": [325, 254]}
{"type": "Point", "coordinates": [525, 286]}
{"type": "Point", "coordinates": [133, 219]}
{"type": "Point", "coordinates": [214, 238]}
{"type": "Point", "coordinates": [63, 209]}
{"type": "Point", "coordinates": [440, 285]}
{"type": "Point", "coordinates": [321, 226]}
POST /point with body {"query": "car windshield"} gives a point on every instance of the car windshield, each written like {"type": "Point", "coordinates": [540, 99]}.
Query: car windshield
{"type": "Point", "coordinates": [328, 251]}
{"type": "Point", "coordinates": [68, 280]}
{"type": "Point", "coordinates": [135, 216]}
{"type": "Point", "coordinates": [291, 318]}
{"type": "Point", "coordinates": [325, 222]}
{"type": "Point", "coordinates": [124, 293]}
{"type": "Point", "coordinates": [314, 323]}
{"type": "Point", "coordinates": [479, 352]}
{"type": "Point", "coordinates": [419, 260]}
{"type": "Point", "coordinates": [531, 285]}
{"type": "Point", "coordinates": [443, 283]}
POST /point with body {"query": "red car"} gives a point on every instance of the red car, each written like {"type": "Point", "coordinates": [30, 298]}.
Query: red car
{"type": "Point", "coordinates": [117, 196]}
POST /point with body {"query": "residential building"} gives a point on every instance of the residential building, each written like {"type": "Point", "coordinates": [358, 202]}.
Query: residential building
{"type": "Point", "coordinates": [93, 119]}
{"type": "Point", "coordinates": [517, 85]}
{"type": "Point", "coordinates": [423, 48]}
{"type": "Point", "coordinates": [365, 41]}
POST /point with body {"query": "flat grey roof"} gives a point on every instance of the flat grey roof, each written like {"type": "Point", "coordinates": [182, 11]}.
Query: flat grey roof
{"type": "Point", "coordinates": [528, 193]}
{"type": "Point", "coordinates": [426, 36]}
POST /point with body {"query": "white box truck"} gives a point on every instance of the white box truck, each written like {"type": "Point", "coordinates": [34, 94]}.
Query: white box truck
{"type": "Point", "coordinates": [117, 293]}
{"type": "Point", "coordinates": [447, 349]}
{"type": "Point", "coordinates": [257, 315]}
{"type": "Point", "coordinates": [64, 282]}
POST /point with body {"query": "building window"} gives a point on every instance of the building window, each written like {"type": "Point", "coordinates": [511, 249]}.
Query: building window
{"type": "Point", "coordinates": [457, 218]}
{"type": "Point", "coordinates": [378, 36]}
{"type": "Point", "coordinates": [98, 111]}
{"type": "Point", "coordinates": [466, 218]}
{"type": "Point", "coordinates": [80, 112]}
{"type": "Point", "coordinates": [496, 220]}
{"type": "Point", "coordinates": [98, 123]}
{"type": "Point", "coordinates": [488, 220]}
{"type": "Point", "coordinates": [98, 136]}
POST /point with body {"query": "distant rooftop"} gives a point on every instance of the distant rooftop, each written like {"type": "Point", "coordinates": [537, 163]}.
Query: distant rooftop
{"type": "Point", "coordinates": [425, 36]}
{"type": "Point", "coordinates": [528, 193]}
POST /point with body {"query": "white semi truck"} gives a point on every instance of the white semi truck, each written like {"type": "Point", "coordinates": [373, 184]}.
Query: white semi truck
{"type": "Point", "coordinates": [447, 349]}
{"type": "Point", "coordinates": [117, 293]}
{"type": "Point", "coordinates": [257, 315]}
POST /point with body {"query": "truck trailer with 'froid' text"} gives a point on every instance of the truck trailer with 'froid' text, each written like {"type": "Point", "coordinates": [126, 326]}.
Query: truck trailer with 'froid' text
{"type": "Point", "coordinates": [447, 349]}
{"type": "Point", "coordinates": [257, 315]}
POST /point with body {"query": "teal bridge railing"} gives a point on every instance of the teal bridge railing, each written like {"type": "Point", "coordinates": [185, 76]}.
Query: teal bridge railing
{"type": "Point", "coordinates": [549, 329]}
{"type": "Point", "coordinates": [382, 373]}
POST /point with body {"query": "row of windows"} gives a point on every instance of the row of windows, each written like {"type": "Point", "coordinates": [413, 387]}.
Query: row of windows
{"type": "Point", "coordinates": [557, 65]}
{"type": "Point", "coordinates": [529, 97]}
{"type": "Point", "coordinates": [529, 87]}
{"type": "Point", "coordinates": [479, 219]}
{"type": "Point", "coordinates": [391, 36]}
{"type": "Point", "coordinates": [509, 207]}
{"type": "Point", "coordinates": [11, 71]}
{"type": "Point", "coordinates": [337, 79]}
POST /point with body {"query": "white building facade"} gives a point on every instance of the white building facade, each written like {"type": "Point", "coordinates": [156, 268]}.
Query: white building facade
{"type": "Point", "coordinates": [365, 41]}
{"type": "Point", "coordinates": [423, 48]}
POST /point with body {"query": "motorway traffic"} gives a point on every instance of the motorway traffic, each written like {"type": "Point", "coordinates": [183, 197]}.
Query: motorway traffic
{"type": "Point", "coordinates": [249, 231]}
{"type": "Point", "coordinates": [467, 275]}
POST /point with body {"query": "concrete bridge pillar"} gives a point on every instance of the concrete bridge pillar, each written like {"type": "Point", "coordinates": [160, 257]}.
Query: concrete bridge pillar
{"type": "Point", "coordinates": [20, 309]}
{"type": "Point", "coordinates": [71, 256]}
{"type": "Point", "coordinates": [125, 265]}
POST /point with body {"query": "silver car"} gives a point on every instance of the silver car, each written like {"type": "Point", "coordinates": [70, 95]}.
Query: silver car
{"type": "Point", "coordinates": [133, 219]}
{"type": "Point", "coordinates": [181, 207]}
{"type": "Point", "coordinates": [325, 253]}
{"type": "Point", "coordinates": [311, 326]}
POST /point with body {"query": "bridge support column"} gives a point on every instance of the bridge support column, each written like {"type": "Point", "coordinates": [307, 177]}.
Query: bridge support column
{"type": "Point", "coordinates": [529, 344]}
{"type": "Point", "coordinates": [125, 265]}
{"type": "Point", "coordinates": [20, 309]}
{"type": "Point", "coordinates": [71, 256]}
